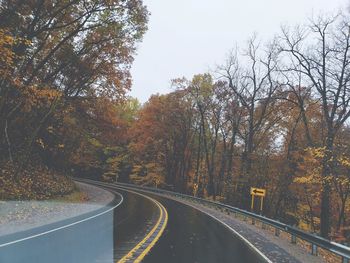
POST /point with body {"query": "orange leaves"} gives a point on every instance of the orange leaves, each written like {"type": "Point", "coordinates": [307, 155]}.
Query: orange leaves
{"type": "Point", "coordinates": [59, 95]}
{"type": "Point", "coordinates": [36, 183]}
{"type": "Point", "coordinates": [43, 95]}
{"type": "Point", "coordinates": [7, 54]}
{"type": "Point", "coordinates": [35, 97]}
{"type": "Point", "coordinates": [159, 138]}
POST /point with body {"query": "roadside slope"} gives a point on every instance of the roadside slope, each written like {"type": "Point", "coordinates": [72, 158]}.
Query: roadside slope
{"type": "Point", "coordinates": [16, 216]}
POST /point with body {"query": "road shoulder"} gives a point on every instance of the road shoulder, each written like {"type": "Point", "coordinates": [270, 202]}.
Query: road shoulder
{"type": "Point", "coordinates": [18, 216]}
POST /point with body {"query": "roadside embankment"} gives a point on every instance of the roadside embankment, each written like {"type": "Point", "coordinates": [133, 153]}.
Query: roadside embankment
{"type": "Point", "coordinates": [16, 216]}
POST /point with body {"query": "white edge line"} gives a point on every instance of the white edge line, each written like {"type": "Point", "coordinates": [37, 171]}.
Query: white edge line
{"type": "Point", "coordinates": [65, 226]}
{"type": "Point", "coordinates": [238, 234]}
{"type": "Point", "coordinates": [220, 221]}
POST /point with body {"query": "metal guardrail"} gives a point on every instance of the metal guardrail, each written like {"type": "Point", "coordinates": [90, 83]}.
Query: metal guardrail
{"type": "Point", "coordinates": [314, 240]}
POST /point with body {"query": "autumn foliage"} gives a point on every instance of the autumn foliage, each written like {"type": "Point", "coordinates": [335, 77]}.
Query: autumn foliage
{"type": "Point", "coordinates": [274, 115]}
{"type": "Point", "coordinates": [64, 71]}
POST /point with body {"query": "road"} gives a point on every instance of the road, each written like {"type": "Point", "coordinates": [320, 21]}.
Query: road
{"type": "Point", "coordinates": [183, 234]}
{"type": "Point", "coordinates": [78, 239]}
{"type": "Point", "coordinates": [190, 235]}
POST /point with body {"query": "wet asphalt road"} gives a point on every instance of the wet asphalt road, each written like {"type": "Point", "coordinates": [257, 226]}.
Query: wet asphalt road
{"type": "Point", "coordinates": [84, 238]}
{"type": "Point", "coordinates": [190, 235]}
{"type": "Point", "coordinates": [132, 219]}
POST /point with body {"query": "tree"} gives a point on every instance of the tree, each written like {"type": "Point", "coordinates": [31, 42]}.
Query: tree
{"type": "Point", "coordinates": [77, 49]}
{"type": "Point", "coordinates": [161, 136]}
{"type": "Point", "coordinates": [254, 87]}
{"type": "Point", "coordinates": [320, 54]}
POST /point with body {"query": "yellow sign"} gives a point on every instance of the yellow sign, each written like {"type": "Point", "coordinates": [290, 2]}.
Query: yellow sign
{"type": "Point", "coordinates": [257, 191]}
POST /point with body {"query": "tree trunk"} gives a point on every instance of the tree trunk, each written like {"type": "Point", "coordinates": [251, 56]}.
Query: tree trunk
{"type": "Point", "coordinates": [341, 219]}
{"type": "Point", "coordinates": [326, 187]}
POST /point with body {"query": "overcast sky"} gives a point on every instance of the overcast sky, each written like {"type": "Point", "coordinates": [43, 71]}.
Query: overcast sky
{"type": "Point", "coordinates": [187, 37]}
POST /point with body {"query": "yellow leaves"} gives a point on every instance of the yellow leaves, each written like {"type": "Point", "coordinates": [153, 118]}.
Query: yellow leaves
{"type": "Point", "coordinates": [27, 42]}
{"type": "Point", "coordinates": [305, 179]}
{"type": "Point", "coordinates": [6, 39]}
{"type": "Point", "coordinates": [95, 142]}
{"type": "Point", "coordinates": [311, 167]}
{"type": "Point", "coordinates": [343, 181]}
{"type": "Point", "coordinates": [7, 54]}
{"type": "Point", "coordinates": [195, 189]}
{"type": "Point", "coordinates": [147, 174]}
{"type": "Point", "coordinates": [316, 152]}
{"type": "Point", "coordinates": [44, 93]}
{"type": "Point", "coordinates": [40, 142]}
{"type": "Point", "coordinates": [344, 161]}
{"type": "Point", "coordinates": [310, 170]}
{"type": "Point", "coordinates": [50, 129]}
{"type": "Point", "coordinates": [39, 97]}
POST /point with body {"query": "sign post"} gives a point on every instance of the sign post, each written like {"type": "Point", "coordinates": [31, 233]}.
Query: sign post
{"type": "Point", "coordinates": [261, 204]}
{"type": "Point", "coordinates": [257, 192]}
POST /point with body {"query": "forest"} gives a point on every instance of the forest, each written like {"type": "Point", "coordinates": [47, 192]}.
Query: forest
{"type": "Point", "coordinates": [274, 114]}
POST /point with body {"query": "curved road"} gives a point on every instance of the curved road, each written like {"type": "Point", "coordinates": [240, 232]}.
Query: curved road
{"type": "Point", "coordinates": [184, 234]}
{"type": "Point", "coordinates": [190, 235]}
{"type": "Point", "coordinates": [84, 238]}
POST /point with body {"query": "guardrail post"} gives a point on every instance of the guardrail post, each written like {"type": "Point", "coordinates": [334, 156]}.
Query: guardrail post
{"type": "Point", "coordinates": [263, 226]}
{"type": "Point", "coordinates": [293, 239]}
{"type": "Point", "coordinates": [345, 260]}
{"type": "Point", "coordinates": [314, 251]}
{"type": "Point", "coordinates": [277, 232]}
{"type": "Point", "coordinates": [253, 221]}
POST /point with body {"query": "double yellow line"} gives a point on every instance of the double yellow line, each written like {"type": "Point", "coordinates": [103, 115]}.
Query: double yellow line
{"type": "Point", "coordinates": [163, 219]}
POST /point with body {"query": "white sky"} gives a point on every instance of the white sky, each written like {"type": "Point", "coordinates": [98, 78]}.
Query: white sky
{"type": "Point", "coordinates": [187, 37]}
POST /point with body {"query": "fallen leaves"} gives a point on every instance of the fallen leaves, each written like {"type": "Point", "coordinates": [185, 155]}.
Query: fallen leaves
{"type": "Point", "coordinates": [34, 183]}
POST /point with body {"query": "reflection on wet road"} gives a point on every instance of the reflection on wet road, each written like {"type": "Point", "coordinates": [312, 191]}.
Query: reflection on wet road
{"type": "Point", "coordinates": [133, 219]}
{"type": "Point", "coordinates": [190, 236]}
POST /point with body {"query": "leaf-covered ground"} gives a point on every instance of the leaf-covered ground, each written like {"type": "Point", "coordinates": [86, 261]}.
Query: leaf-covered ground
{"type": "Point", "coordinates": [37, 183]}
{"type": "Point", "coordinates": [21, 215]}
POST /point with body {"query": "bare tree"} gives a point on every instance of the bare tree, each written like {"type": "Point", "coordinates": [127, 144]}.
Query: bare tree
{"type": "Point", "coordinates": [319, 52]}
{"type": "Point", "coordinates": [255, 86]}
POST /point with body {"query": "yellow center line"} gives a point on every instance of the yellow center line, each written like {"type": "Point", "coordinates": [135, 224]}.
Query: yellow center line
{"type": "Point", "coordinates": [155, 239]}
{"type": "Point", "coordinates": [148, 248]}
